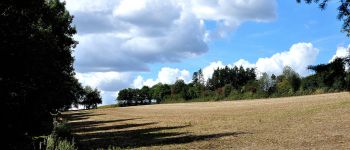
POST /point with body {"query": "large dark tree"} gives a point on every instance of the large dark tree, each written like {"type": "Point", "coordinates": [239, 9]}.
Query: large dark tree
{"type": "Point", "coordinates": [331, 75]}
{"type": "Point", "coordinates": [344, 11]}
{"type": "Point", "coordinates": [126, 94]}
{"type": "Point", "coordinates": [37, 75]}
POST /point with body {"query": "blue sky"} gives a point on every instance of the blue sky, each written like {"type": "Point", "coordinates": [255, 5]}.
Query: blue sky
{"type": "Point", "coordinates": [142, 42]}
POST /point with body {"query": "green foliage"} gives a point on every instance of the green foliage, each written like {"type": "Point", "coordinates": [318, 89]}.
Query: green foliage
{"type": "Point", "coordinates": [179, 87]}
{"type": "Point", "coordinates": [219, 94]}
{"type": "Point", "coordinates": [331, 75]}
{"type": "Point", "coordinates": [160, 91]}
{"type": "Point", "coordinates": [37, 74]}
{"type": "Point", "coordinates": [235, 76]}
{"type": "Point", "coordinates": [284, 88]}
{"type": "Point", "coordinates": [239, 83]}
{"type": "Point", "coordinates": [62, 130]}
{"type": "Point", "coordinates": [91, 98]}
{"type": "Point", "coordinates": [61, 137]}
{"type": "Point", "coordinates": [311, 82]}
{"type": "Point", "coordinates": [126, 94]}
{"type": "Point", "coordinates": [198, 78]}
{"type": "Point", "coordinates": [288, 83]}
{"type": "Point", "coordinates": [292, 78]}
{"type": "Point", "coordinates": [66, 145]}
{"type": "Point", "coordinates": [265, 82]}
{"type": "Point", "coordinates": [227, 89]}
{"type": "Point", "coordinates": [145, 93]}
{"type": "Point", "coordinates": [251, 86]}
{"type": "Point", "coordinates": [54, 143]}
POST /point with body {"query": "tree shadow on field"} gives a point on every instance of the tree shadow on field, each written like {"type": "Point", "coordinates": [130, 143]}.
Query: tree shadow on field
{"type": "Point", "coordinates": [144, 137]}
{"type": "Point", "coordinates": [79, 115]}
{"type": "Point", "coordinates": [99, 134]}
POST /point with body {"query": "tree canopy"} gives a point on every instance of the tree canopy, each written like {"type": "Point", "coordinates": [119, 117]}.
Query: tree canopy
{"type": "Point", "coordinates": [37, 74]}
{"type": "Point", "coordinates": [91, 98]}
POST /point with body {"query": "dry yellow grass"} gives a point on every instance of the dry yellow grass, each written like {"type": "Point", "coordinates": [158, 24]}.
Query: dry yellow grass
{"type": "Point", "coordinates": [305, 122]}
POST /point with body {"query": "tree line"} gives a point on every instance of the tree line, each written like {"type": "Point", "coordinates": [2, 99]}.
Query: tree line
{"type": "Point", "coordinates": [243, 83]}
{"type": "Point", "coordinates": [37, 75]}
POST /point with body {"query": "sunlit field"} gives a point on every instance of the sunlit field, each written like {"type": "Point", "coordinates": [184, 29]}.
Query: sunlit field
{"type": "Point", "coordinates": [315, 121]}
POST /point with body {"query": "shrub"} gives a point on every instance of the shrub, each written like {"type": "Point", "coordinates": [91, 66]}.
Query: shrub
{"type": "Point", "coordinates": [54, 143]}
{"type": "Point", "coordinates": [321, 90]}
{"type": "Point", "coordinates": [236, 95]}
{"type": "Point", "coordinates": [283, 88]}
{"type": "Point", "coordinates": [227, 89]}
{"type": "Point", "coordinates": [65, 145]}
{"type": "Point", "coordinates": [62, 130]}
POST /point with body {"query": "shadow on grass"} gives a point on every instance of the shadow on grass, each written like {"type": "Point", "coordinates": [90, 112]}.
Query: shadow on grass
{"type": "Point", "coordinates": [79, 115]}
{"type": "Point", "coordinates": [151, 136]}
{"type": "Point", "coordinates": [106, 128]}
{"type": "Point", "coordinates": [80, 124]}
{"type": "Point", "coordinates": [96, 135]}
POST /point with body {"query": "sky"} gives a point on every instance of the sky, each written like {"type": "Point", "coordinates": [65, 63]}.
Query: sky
{"type": "Point", "coordinates": [133, 43]}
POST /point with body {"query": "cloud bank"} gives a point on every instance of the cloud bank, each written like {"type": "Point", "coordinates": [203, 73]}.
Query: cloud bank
{"type": "Point", "coordinates": [129, 35]}
{"type": "Point", "coordinates": [120, 38]}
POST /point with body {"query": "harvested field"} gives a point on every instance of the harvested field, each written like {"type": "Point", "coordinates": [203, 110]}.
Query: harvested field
{"type": "Point", "coordinates": [304, 122]}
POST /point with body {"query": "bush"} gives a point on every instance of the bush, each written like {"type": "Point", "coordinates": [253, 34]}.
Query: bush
{"type": "Point", "coordinates": [236, 95]}
{"type": "Point", "coordinates": [283, 88]}
{"type": "Point", "coordinates": [65, 145]}
{"type": "Point", "coordinates": [61, 137]}
{"type": "Point", "coordinates": [54, 143]}
{"type": "Point", "coordinates": [321, 91]}
{"type": "Point", "coordinates": [227, 89]}
{"type": "Point", "coordinates": [62, 130]}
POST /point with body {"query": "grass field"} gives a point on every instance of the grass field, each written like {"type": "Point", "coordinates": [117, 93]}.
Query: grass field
{"type": "Point", "coordinates": [305, 122]}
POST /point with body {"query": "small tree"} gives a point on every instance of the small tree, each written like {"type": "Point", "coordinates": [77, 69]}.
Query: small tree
{"type": "Point", "coordinates": [292, 77]}
{"type": "Point", "coordinates": [266, 82]}
{"type": "Point", "coordinates": [227, 89]}
{"type": "Point", "coordinates": [180, 88]}
{"type": "Point", "coordinates": [288, 82]}
{"type": "Point", "coordinates": [92, 98]}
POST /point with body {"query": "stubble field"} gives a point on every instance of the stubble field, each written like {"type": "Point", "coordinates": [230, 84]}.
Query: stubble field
{"type": "Point", "coordinates": [304, 122]}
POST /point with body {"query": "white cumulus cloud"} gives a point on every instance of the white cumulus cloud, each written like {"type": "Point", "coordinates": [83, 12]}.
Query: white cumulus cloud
{"type": "Point", "coordinates": [128, 35]}
{"type": "Point", "coordinates": [341, 52]}
{"type": "Point", "coordinates": [299, 56]}
{"type": "Point", "coordinates": [166, 76]}
{"type": "Point", "coordinates": [209, 70]}
{"type": "Point", "coordinates": [243, 63]}
{"type": "Point", "coordinates": [118, 38]}
{"type": "Point", "coordinates": [105, 81]}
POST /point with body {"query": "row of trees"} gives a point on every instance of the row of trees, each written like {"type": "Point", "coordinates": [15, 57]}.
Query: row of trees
{"type": "Point", "coordinates": [240, 83]}
{"type": "Point", "coordinates": [37, 74]}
